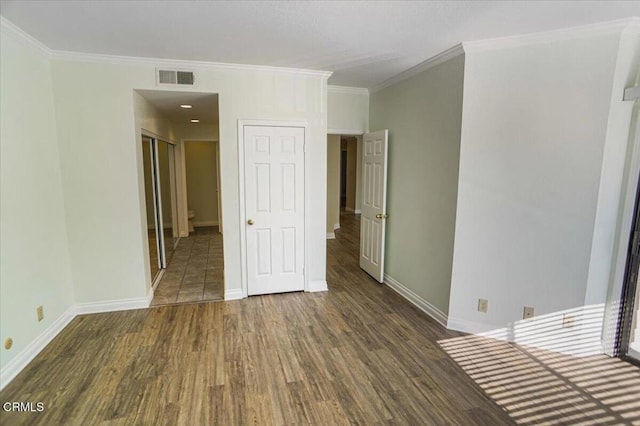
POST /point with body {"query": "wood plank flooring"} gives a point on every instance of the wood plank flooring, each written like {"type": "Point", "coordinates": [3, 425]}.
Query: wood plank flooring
{"type": "Point", "coordinates": [357, 354]}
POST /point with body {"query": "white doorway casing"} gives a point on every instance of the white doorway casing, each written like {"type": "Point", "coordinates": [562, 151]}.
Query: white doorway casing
{"type": "Point", "coordinates": [285, 268]}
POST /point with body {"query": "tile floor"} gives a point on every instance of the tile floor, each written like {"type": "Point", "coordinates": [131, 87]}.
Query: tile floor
{"type": "Point", "coordinates": [194, 273]}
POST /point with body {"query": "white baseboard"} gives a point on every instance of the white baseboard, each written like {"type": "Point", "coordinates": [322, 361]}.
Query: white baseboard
{"type": "Point", "coordinates": [113, 305]}
{"type": "Point", "coordinates": [20, 361]}
{"type": "Point", "coordinates": [357, 211]}
{"type": "Point", "coordinates": [233, 294]}
{"type": "Point", "coordinates": [156, 281]}
{"type": "Point", "coordinates": [199, 224]}
{"type": "Point", "coordinates": [331, 236]}
{"type": "Point", "coordinates": [318, 285]}
{"type": "Point", "coordinates": [150, 294]}
{"type": "Point", "coordinates": [336, 226]}
{"type": "Point", "coordinates": [416, 300]}
{"type": "Point", "coordinates": [470, 327]}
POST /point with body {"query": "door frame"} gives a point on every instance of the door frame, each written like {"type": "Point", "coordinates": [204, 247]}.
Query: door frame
{"type": "Point", "coordinates": [241, 184]}
{"type": "Point", "coordinates": [626, 210]}
{"type": "Point", "coordinates": [183, 203]}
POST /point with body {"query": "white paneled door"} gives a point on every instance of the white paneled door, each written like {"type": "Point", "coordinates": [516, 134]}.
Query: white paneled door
{"type": "Point", "coordinates": [374, 197]}
{"type": "Point", "coordinates": [274, 208]}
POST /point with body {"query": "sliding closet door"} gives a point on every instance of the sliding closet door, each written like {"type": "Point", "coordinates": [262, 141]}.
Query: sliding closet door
{"type": "Point", "coordinates": [165, 175]}
{"type": "Point", "coordinates": [155, 259]}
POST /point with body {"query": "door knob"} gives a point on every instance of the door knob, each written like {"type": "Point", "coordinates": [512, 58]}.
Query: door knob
{"type": "Point", "coordinates": [250, 222]}
{"type": "Point", "coordinates": [382, 216]}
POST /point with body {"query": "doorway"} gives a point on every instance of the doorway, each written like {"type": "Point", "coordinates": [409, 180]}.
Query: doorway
{"type": "Point", "coordinates": [343, 179]}
{"type": "Point", "coordinates": [189, 267]}
{"type": "Point", "coordinates": [628, 339]}
{"type": "Point", "coordinates": [273, 191]}
{"type": "Point", "coordinates": [357, 184]}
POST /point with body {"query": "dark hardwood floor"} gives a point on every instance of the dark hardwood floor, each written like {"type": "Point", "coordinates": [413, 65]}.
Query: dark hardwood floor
{"type": "Point", "coordinates": [357, 354]}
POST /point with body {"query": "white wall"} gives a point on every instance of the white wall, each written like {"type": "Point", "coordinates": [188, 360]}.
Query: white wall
{"type": "Point", "coordinates": [102, 199]}
{"type": "Point", "coordinates": [348, 110]}
{"type": "Point", "coordinates": [333, 184]}
{"type": "Point", "coordinates": [423, 115]}
{"type": "Point", "coordinates": [533, 134]}
{"type": "Point", "coordinates": [34, 262]}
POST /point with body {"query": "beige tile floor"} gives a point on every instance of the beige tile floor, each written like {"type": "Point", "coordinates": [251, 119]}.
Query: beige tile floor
{"type": "Point", "coordinates": [195, 272]}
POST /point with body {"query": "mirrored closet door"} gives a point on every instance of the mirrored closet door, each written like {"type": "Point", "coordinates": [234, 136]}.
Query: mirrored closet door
{"type": "Point", "coordinates": [160, 196]}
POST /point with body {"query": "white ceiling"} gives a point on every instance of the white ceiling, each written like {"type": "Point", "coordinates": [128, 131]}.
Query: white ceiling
{"type": "Point", "coordinates": [362, 42]}
{"type": "Point", "coordinates": [205, 106]}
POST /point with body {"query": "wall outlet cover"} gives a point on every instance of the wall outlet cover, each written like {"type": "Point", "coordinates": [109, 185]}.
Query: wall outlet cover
{"type": "Point", "coordinates": [528, 312]}
{"type": "Point", "coordinates": [483, 305]}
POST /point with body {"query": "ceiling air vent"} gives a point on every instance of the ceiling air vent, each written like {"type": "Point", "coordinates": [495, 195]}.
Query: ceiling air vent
{"type": "Point", "coordinates": [183, 78]}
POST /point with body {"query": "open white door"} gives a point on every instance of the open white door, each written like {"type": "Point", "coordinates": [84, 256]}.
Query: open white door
{"type": "Point", "coordinates": [374, 198]}
{"type": "Point", "coordinates": [274, 208]}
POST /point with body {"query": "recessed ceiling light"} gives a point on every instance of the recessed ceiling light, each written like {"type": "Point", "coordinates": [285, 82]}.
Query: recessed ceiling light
{"type": "Point", "coordinates": [195, 120]}
{"type": "Point", "coordinates": [186, 106]}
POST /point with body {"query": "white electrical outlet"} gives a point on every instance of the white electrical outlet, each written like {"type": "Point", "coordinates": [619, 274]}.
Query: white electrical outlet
{"type": "Point", "coordinates": [528, 312]}
{"type": "Point", "coordinates": [483, 305]}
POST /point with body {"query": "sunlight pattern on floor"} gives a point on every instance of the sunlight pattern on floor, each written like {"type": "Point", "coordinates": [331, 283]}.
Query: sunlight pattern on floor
{"type": "Point", "coordinates": [536, 386]}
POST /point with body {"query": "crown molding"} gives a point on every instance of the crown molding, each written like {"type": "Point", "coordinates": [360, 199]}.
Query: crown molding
{"type": "Point", "coordinates": [12, 29]}
{"type": "Point", "coordinates": [180, 63]}
{"type": "Point", "coordinates": [441, 57]}
{"type": "Point", "coordinates": [572, 33]}
{"type": "Point", "coordinates": [346, 90]}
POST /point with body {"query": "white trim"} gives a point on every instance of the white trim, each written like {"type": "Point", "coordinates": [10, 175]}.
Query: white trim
{"type": "Point", "coordinates": [156, 281]}
{"type": "Point", "coordinates": [181, 64]}
{"type": "Point", "coordinates": [441, 57]}
{"type": "Point", "coordinates": [331, 236]}
{"type": "Point", "coordinates": [233, 294]}
{"type": "Point", "coordinates": [150, 294]}
{"type": "Point", "coordinates": [470, 327]}
{"type": "Point", "coordinates": [113, 305]}
{"type": "Point", "coordinates": [571, 33]}
{"type": "Point", "coordinates": [12, 28]}
{"type": "Point", "coordinates": [346, 132]}
{"type": "Point", "coordinates": [152, 135]}
{"type": "Point", "coordinates": [22, 359]}
{"type": "Point", "coordinates": [241, 194]}
{"type": "Point", "coordinates": [201, 223]}
{"type": "Point", "coordinates": [631, 93]}
{"type": "Point", "coordinates": [346, 90]}
{"type": "Point", "coordinates": [336, 226]}
{"type": "Point", "coordinates": [315, 286]}
{"type": "Point", "coordinates": [416, 300]}
{"type": "Point", "coordinates": [357, 211]}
